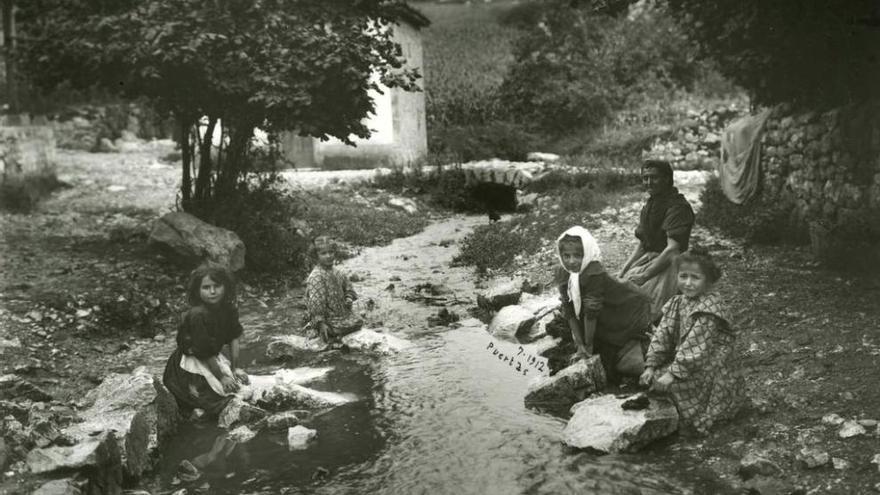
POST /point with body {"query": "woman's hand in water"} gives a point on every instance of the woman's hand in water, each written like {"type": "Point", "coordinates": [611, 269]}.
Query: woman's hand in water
{"type": "Point", "coordinates": [647, 377]}
{"type": "Point", "coordinates": [229, 384]}
{"type": "Point", "coordinates": [662, 384]}
{"type": "Point", "coordinates": [241, 376]}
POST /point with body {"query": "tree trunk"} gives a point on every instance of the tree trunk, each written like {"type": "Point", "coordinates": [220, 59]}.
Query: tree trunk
{"type": "Point", "coordinates": [203, 180]}
{"type": "Point", "coordinates": [9, 54]}
{"type": "Point", "coordinates": [186, 151]}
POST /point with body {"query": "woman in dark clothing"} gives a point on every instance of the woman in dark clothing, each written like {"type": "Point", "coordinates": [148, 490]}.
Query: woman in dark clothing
{"type": "Point", "coordinates": [197, 373]}
{"type": "Point", "coordinates": [664, 232]}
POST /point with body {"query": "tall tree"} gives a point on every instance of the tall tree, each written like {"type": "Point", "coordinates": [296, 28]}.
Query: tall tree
{"type": "Point", "coordinates": [224, 67]}
{"type": "Point", "coordinates": [810, 53]}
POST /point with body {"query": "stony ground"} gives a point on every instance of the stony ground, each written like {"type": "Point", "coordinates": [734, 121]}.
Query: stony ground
{"type": "Point", "coordinates": [81, 296]}
{"type": "Point", "coordinates": [810, 345]}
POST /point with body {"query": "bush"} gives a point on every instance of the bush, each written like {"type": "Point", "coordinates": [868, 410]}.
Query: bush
{"type": "Point", "coordinates": [20, 193]}
{"type": "Point", "coordinates": [494, 246]}
{"type": "Point", "coordinates": [263, 214]}
{"type": "Point", "coordinates": [760, 220]}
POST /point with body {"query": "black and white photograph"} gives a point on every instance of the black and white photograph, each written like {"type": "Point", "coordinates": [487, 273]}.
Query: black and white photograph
{"type": "Point", "coordinates": [439, 247]}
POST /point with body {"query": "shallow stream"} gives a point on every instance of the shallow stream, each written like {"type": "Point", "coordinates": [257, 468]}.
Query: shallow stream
{"type": "Point", "coordinates": [445, 417]}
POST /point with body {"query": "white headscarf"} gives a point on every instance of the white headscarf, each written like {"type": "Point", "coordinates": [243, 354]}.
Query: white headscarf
{"type": "Point", "coordinates": [591, 253]}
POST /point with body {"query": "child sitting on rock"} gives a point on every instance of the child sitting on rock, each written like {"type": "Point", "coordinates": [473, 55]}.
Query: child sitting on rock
{"type": "Point", "coordinates": [691, 352]}
{"type": "Point", "coordinates": [329, 297]}
{"type": "Point", "coordinates": [197, 373]}
{"type": "Point", "coordinates": [607, 316]}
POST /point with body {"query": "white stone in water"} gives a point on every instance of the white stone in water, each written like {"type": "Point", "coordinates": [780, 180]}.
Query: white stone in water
{"type": "Point", "coordinates": [510, 322]}
{"type": "Point", "coordinates": [851, 429]}
{"type": "Point", "coordinates": [599, 423]}
{"type": "Point", "coordinates": [298, 437]}
{"type": "Point", "coordinates": [542, 345]}
{"type": "Point", "coordinates": [287, 345]}
{"type": "Point", "coordinates": [570, 385]}
{"type": "Point", "coordinates": [373, 341]}
{"type": "Point", "coordinates": [242, 434]}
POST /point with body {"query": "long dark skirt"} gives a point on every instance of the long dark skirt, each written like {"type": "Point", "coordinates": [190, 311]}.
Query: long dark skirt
{"type": "Point", "coordinates": [191, 391]}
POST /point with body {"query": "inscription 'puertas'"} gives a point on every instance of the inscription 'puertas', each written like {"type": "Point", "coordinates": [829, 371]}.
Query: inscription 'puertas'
{"type": "Point", "coordinates": [521, 362]}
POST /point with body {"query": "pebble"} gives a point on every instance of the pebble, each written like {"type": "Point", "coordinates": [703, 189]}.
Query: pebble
{"type": "Point", "coordinates": [867, 423]}
{"type": "Point", "coordinates": [832, 419]}
{"type": "Point", "coordinates": [813, 458]}
{"type": "Point", "coordinates": [159, 337]}
{"type": "Point", "coordinates": [840, 463]}
{"type": "Point", "coordinates": [851, 429]}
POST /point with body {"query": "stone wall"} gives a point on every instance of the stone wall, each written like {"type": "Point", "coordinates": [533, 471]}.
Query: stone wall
{"type": "Point", "coordinates": [84, 127]}
{"type": "Point", "coordinates": [827, 164]}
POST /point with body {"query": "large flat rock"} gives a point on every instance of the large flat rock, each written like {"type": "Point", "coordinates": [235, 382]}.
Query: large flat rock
{"type": "Point", "coordinates": [510, 322]}
{"type": "Point", "coordinates": [570, 385]}
{"type": "Point", "coordinates": [600, 423]}
{"type": "Point", "coordinates": [283, 391]}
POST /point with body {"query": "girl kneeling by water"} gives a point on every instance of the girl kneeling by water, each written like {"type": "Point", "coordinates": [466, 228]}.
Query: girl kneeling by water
{"type": "Point", "coordinates": [329, 296]}
{"type": "Point", "coordinates": [197, 373]}
{"type": "Point", "coordinates": [691, 352]}
{"type": "Point", "coordinates": [607, 316]}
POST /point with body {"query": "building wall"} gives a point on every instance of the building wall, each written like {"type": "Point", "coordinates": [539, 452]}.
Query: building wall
{"type": "Point", "coordinates": [398, 123]}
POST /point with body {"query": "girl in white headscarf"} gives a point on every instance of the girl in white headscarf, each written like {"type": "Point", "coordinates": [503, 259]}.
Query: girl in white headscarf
{"type": "Point", "coordinates": [607, 316]}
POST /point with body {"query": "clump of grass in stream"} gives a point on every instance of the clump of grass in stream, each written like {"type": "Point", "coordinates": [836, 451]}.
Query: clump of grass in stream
{"type": "Point", "coordinates": [568, 199]}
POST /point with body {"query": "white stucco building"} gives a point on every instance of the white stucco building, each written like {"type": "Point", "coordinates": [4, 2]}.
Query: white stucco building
{"type": "Point", "coordinates": [399, 136]}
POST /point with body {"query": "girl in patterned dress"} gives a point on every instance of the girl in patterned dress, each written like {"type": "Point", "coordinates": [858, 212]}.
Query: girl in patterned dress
{"type": "Point", "coordinates": [691, 353]}
{"type": "Point", "coordinates": [329, 296]}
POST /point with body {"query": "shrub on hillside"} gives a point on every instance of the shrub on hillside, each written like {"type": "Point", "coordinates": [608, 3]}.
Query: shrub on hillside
{"type": "Point", "coordinates": [494, 246]}
{"type": "Point", "coordinates": [575, 67]}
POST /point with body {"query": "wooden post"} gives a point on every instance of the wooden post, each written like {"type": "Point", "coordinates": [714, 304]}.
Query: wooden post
{"type": "Point", "coordinates": [9, 55]}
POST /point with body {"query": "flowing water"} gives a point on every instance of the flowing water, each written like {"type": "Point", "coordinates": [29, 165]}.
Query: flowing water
{"type": "Point", "coordinates": [445, 417]}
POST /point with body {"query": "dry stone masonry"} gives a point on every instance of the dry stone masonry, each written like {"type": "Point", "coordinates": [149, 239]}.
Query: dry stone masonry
{"type": "Point", "coordinates": [828, 165]}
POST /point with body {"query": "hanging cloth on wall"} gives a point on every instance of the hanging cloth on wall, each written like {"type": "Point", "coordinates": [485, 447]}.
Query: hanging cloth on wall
{"type": "Point", "coordinates": [740, 167]}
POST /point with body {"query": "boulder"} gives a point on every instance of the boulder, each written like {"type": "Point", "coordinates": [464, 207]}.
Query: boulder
{"type": "Point", "coordinates": [14, 387]}
{"type": "Point", "coordinates": [501, 293]}
{"type": "Point", "coordinates": [570, 385]}
{"type": "Point", "coordinates": [298, 437]}
{"type": "Point", "coordinates": [140, 411]}
{"type": "Point", "coordinates": [184, 238]}
{"type": "Point", "coordinates": [600, 423]}
{"type": "Point", "coordinates": [290, 345]}
{"type": "Point", "coordinates": [851, 429]}
{"type": "Point", "coordinates": [98, 456]}
{"type": "Point", "coordinates": [373, 341]}
{"type": "Point", "coordinates": [537, 331]}
{"type": "Point", "coordinates": [511, 322]}
{"type": "Point", "coordinates": [812, 458]}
